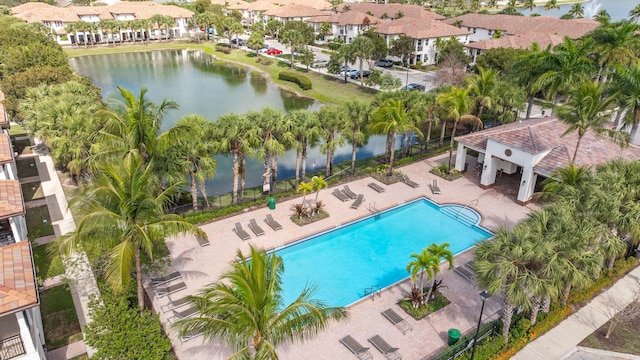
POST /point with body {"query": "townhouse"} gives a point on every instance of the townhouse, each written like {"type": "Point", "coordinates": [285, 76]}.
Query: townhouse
{"type": "Point", "coordinates": [281, 10]}
{"type": "Point", "coordinates": [344, 26]}
{"type": "Point", "coordinates": [518, 31]}
{"type": "Point", "coordinates": [21, 334]}
{"type": "Point", "coordinates": [59, 19]}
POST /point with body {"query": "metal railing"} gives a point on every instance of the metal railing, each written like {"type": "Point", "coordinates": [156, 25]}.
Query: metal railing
{"type": "Point", "coordinates": [11, 347]}
{"type": "Point", "coordinates": [466, 344]}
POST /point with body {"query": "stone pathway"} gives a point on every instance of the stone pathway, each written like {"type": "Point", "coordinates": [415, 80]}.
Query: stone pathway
{"type": "Point", "coordinates": [67, 352]}
{"type": "Point", "coordinates": [30, 179]}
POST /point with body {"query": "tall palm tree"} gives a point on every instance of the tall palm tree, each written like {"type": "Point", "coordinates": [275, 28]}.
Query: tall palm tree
{"type": "Point", "coordinates": [576, 11]}
{"type": "Point", "coordinates": [392, 118]}
{"type": "Point", "coordinates": [587, 109]}
{"type": "Point", "coordinates": [551, 4]}
{"type": "Point", "coordinates": [457, 104]}
{"type": "Point", "coordinates": [293, 39]}
{"type": "Point", "coordinates": [500, 267]}
{"type": "Point", "coordinates": [331, 121]}
{"type": "Point", "coordinates": [306, 129]}
{"type": "Point", "coordinates": [305, 187]}
{"type": "Point", "coordinates": [625, 88]}
{"type": "Point", "coordinates": [192, 147]}
{"type": "Point", "coordinates": [441, 253]}
{"type": "Point", "coordinates": [358, 115]}
{"type": "Point", "coordinates": [527, 69]}
{"type": "Point", "coordinates": [362, 48]}
{"type": "Point", "coordinates": [245, 309]}
{"type": "Point", "coordinates": [634, 14]}
{"type": "Point", "coordinates": [482, 88]}
{"type": "Point", "coordinates": [614, 45]}
{"type": "Point", "coordinates": [566, 68]}
{"type": "Point", "coordinates": [122, 213]}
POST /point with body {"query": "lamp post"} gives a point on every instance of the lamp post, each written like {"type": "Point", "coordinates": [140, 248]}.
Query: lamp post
{"type": "Point", "coordinates": [484, 295]}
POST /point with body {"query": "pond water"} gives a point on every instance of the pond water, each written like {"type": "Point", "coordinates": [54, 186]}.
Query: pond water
{"type": "Point", "coordinates": [202, 85]}
{"type": "Point", "coordinates": [618, 9]}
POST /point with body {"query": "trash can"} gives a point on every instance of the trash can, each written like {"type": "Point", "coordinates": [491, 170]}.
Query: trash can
{"type": "Point", "coordinates": [272, 203]}
{"type": "Point", "coordinates": [454, 336]}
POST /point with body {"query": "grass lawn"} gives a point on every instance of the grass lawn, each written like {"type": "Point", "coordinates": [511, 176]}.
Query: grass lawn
{"type": "Point", "coordinates": [623, 339]}
{"type": "Point", "coordinates": [59, 319]}
{"type": "Point", "coordinates": [39, 222]}
{"type": "Point", "coordinates": [26, 168]}
{"type": "Point", "coordinates": [47, 265]}
{"type": "Point", "coordinates": [32, 191]}
{"type": "Point", "coordinates": [17, 130]}
{"type": "Point", "coordinates": [80, 357]}
{"type": "Point", "coordinates": [325, 88]}
{"type": "Point", "coordinates": [23, 147]}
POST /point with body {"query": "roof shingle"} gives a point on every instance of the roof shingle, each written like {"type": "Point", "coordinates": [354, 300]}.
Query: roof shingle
{"type": "Point", "coordinates": [11, 203]}
{"type": "Point", "coordinates": [17, 281]}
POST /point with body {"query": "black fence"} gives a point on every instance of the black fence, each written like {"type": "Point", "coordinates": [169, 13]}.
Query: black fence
{"type": "Point", "coordinates": [11, 347]}
{"type": "Point", "coordinates": [466, 344]}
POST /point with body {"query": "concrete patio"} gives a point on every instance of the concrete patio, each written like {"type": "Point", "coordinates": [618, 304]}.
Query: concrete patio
{"type": "Point", "coordinates": [202, 265]}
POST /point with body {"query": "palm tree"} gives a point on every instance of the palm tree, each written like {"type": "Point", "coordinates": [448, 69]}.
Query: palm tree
{"type": "Point", "coordinates": [122, 213]}
{"type": "Point", "coordinates": [306, 129]}
{"type": "Point", "coordinates": [551, 4]}
{"type": "Point", "coordinates": [625, 88]}
{"type": "Point", "coordinates": [191, 149]}
{"type": "Point", "coordinates": [422, 263]}
{"type": "Point", "coordinates": [482, 88]}
{"type": "Point", "coordinates": [440, 253]}
{"type": "Point", "coordinates": [250, 294]}
{"type": "Point", "coordinates": [567, 67]}
{"type": "Point", "coordinates": [576, 11]}
{"type": "Point", "coordinates": [527, 69]}
{"type": "Point", "coordinates": [500, 267]}
{"type": "Point", "coordinates": [293, 39]}
{"type": "Point", "coordinates": [362, 48]}
{"type": "Point", "coordinates": [331, 120]}
{"type": "Point", "coordinates": [392, 118]}
{"type": "Point", "coordinates": [357, 114]}
{"type": "Point", "coordinates": [238, 136]}
{"type": "Point", "coordinates": [568, 183]}
{"type": "Point", "coordinates": [587, 109]}
{"type": "Point", "coordinates": [345, 56]}
{"type": "Point", "coordinates": [305, 187]}
{"type": "Point", "coordinates": [457, 103]}
{"type": "Point", "coordinates": [634, 14]}
{"type": "Point", "coordinates": [318, 184]}
{"type": "Point", "coordinates": [614, 44]}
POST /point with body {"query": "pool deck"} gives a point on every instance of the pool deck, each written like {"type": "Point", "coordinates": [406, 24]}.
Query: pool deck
{"type": "Point", "coordinates": [202, 265]}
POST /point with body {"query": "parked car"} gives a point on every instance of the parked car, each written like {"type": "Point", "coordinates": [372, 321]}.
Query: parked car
{"type": "Point", "coordinates": [356, 75]}
{"type": "Point", "coordinates": [320, 64]}
{"type": "Point", "coordinates": [384, 63]}
{"type": "Point", "coordinates": [414, 87]}
{"type": "Point", "coordinates": [348, 71]}
{"type": "Point", "coordinates": [274, 51]}
{"type": "Point", "coordinates": [264, 49]}
{"type": "Point", "coordinates": [239, 42]}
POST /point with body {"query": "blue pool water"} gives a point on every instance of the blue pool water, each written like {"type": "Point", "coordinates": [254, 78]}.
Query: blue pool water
{"type": "Point", "coordinates": [374, 251]}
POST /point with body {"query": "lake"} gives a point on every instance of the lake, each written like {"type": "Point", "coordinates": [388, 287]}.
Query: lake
{"type": "Point", "coordinates": [202, 85]}
{"type": "Point", "coordinates": [618, 9]}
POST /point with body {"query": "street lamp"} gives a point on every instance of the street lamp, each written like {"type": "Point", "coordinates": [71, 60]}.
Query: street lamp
{"type": "Point", "coordinates": [484, 295]}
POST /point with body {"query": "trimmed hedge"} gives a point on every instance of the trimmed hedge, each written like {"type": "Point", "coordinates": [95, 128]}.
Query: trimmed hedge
{"type": "Point", "coordinates": [302, 81]}
{"type": "Point", "coordinates": [223, 49]}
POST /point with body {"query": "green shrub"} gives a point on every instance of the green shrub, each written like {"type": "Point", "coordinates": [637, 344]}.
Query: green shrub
{"type": "Point", "coordinates": [264, 61]}
{"type": "Point", "coordinates": [302, 81]}
{"type": "Point", "coordinates": [223, 49]}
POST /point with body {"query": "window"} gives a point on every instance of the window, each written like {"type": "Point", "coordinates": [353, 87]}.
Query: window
{"type": "Point", "coordinates": [474, 30]}
{"type": "Point", "coordinates": [46, 23]}
{"type": "Point", "coordinates": [490, 32]}
{"type": "Point", "coordinates": [58, 23]}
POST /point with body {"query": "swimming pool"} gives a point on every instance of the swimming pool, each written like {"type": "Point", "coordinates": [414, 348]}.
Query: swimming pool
{"type": "Point", "coordinates": [374, 251]}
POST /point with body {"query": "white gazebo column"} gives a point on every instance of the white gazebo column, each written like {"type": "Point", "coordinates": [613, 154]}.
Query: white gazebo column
{"type": "Point", "coordinates": [527, 185]}
{"type": "Point", "coordinates": [489, 170]}
{"type": "Point", "coordinates": [25, 334]}
{"type": "Point", "coordinates": [461, 156]}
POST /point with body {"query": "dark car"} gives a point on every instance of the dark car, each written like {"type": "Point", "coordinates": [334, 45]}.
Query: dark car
{"type": "Point", "coordinates": [414, 87]}
{"type": "Point", "coordinates": [239, 42]}
{"type": "Point", "coordinates": [356, 75]}
{"type": "Point", "coordinates": [384, 63]}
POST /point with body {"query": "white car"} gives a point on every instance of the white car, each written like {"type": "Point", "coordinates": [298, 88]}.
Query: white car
{"type": "Point", "coordinates": [320, 64]}
{"type": "Point", "coordinates": [349, 72]}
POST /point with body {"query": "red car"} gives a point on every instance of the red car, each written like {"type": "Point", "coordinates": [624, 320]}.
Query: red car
{"type": "Point", "coordinates": [274, 51]}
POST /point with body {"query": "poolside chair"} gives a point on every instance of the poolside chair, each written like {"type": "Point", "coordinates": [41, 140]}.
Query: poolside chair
{"type": "Point", "coordinates": [349, 193]}
{"type": "Point", "coordinates": [175, 304]}
{"type": "Point", "coordinates": [240, 232]}
{"type": "Point", "coordinates": [435, 188]}
{"type": "Point", "coordinates": [272, 223]}
{"type": "Point", "coordinates": [253, 225]}
{"type": "Point", "coordinates": [406, 180]}
{"type": "Point", "coordinates": [391, 353]}
{"type": "Point", "coordinates": [356, 204]}
{"type": "Point", "coordinates": [470, 265]}
{"type": "Point", "coordinates": [358, 350]}
{"type": "Point", "coordinates": [397, 320]}
{"type": "Point", "coordinates": [203, 241]}
{"type": "Point", "coordinates": [165, 279]}
{"type": "Point", "coordinates": [464, 272]}
{"type": "Point", "coordinates": [168, 290]}
{"type": "Point", "coordinates": [184, 314]}
{"type": "Point", "coordinates": [376, 187]}
{"type": "Point", "coordinates": [340, 195]}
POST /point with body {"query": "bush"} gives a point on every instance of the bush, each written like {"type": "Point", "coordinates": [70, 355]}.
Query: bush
{"type": "Point", "coordinates": [302, 81]}
{"type": "Point", "coordinates": [223, 49]}
{"type": "Point", "coordinates": [264, 61]}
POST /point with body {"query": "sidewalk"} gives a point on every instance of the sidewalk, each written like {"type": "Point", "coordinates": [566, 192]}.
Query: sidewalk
{"type": "Point", "coordinates": [563, 338]}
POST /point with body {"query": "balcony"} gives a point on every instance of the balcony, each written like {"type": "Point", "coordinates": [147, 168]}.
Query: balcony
{"type": "Point", "coordinates": [11, 347]}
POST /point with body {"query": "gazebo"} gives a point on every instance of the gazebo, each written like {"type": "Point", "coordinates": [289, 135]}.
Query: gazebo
{"type": "Point", "coordinates": [535, 147]}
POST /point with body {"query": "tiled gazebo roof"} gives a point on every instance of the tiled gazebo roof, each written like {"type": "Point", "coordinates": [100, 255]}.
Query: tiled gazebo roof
{"type": "Point", "coordinates": [535, 136]}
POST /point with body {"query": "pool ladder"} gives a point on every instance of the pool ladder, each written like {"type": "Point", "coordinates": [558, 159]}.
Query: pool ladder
{"type": "Point", "coordinates": [372, 291]}
{"type": "Point", "coordinates": [374, 210]}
